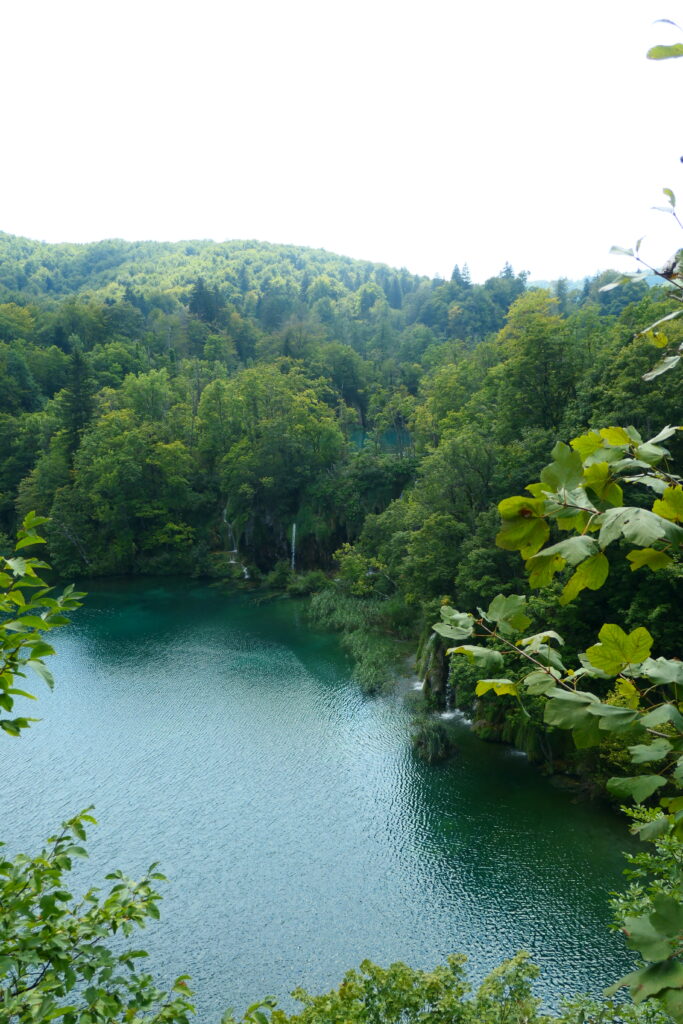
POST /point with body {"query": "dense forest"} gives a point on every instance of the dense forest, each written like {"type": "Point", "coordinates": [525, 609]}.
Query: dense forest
{"type": "Point", "coordinates": [250, 412]}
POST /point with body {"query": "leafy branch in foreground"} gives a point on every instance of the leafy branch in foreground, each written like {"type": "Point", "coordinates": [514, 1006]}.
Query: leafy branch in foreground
{"type": "Point", "coordinates": [581, 493]}
{"type": "Point", "coordinates": [27, 611]}
{"type": "Point", "coordinates": [54, 959]}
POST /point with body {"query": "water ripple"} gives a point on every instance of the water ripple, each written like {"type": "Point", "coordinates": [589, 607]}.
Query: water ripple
{"type": "Point", "coordinates": [299, 832]}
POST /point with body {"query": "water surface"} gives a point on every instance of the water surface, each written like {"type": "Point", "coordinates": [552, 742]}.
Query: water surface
{"type": "Point", "coordinates": [299, 834]}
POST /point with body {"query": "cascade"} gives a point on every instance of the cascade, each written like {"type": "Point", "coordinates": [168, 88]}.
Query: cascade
{"type": "Point", "coordinates": [293, 547]}
{"type": "Point", "coordinates": [233, 549]}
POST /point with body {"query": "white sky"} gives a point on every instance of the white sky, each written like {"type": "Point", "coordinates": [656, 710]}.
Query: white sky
{"type": "Point", "coordinates": [418, 134]}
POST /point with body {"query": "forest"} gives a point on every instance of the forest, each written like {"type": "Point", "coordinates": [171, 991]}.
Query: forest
{"type": "Point", "coordinates": [180, 408]}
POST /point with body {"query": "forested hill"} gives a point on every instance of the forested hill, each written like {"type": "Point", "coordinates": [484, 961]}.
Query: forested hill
{"type": "Point", "coordinates": [177, 407]}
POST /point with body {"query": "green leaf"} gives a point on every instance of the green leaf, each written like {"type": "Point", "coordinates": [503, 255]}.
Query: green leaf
{"type": "Point", "coordinates": [665, 713]}
{"type": "Point", "coordinates": [644, 753]}
{"type": "Point", "coordinates": [598, 477]}
{"type": "Point", "coordinates": [573, 549]}
{"type": "Point", "coordinates": [649, 557]}
{"type": "Point", "coordinates": [539, 682]}
{"type": "Point", "coordinates": [483, 657]}
{"type": "Point", "coordinates": [662, 52]}
{"type": "Point", "coordinates": [637, 525]}
{"type": "Point", "coordinates": [569, 710]}
{"type": "Point", "coordinates": [615, 719]}
{"type": "Point", "coordinates": [461, 623]}
{"type": "Point", "coordinates": [653, 979]}
{"type": "Point", "coordinates": [616, 436]}
{"type": "Point", "coordinates": [672, 1001]}
{"type": "Point", "coordinates": [663, 671]}
{"type": "Point", "coordinates": [587, 444]}
{"type": "Point", "coordinates": [670, 506]}
{"type": "Point", "coordinates": [532, 642]}
{"type": "Point", "coordinates": [542, 569]}
{"type": "Point", "coordinates": [501, 687]}
{"type": "Point", "coordinates": [509, 613]}
{"type": "Point", "coordinates": [647, 939]}
{"type": "Point", "coordinates": [523, 529]}
{"type": "Point", "coordinates": [19, 566]}
{"type": "Point", "coordinates": [637, 788]}
{"type": "Point", "coordinates": [449, 632]}
{"type": "Point", "coordinates": [590, 575]}
{"type": "Point", "coordinates": [566, 470]}
{"type": "Point", "coordinates": [618, 650]}
{"type": "Point", "coordinates": [666, 432]}
{"type": "Point", "coordinates": [653, 829]}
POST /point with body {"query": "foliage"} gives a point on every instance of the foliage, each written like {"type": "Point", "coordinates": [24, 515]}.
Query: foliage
{"type": "Point", "coordinates": [57, 957]}
{"type": "Point", "coordinates": [581, 492]}
{"type": "Point", "coordinates": [403, 995]}
{"type": "Point", "coordinates": [431, 738]}
{"type": "Point", "coordinates": [27, 611]}
{"type": "Point", "coordinates": [361, 623]}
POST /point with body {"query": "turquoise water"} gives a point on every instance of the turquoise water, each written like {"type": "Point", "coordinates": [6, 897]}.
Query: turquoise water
{"type": "Point", "coordinates": [299, 834]}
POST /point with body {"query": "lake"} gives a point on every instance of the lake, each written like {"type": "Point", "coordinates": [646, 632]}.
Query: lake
{"type": "Point", "coordinates": [228, 741]}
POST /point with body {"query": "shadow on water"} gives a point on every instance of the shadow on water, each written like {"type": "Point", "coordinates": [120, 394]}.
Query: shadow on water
{"type": "Point", "coordinates": [227, 740]}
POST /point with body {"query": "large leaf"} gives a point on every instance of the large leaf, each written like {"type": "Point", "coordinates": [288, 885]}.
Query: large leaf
{"type": "Point", "coordinates": [665, 713]}
{"type": "Point", "coordinates": [615, 719]}
{"type": "Point", "coordinates": [483, 657]}
{"type": "Point", "coordinates": [501, 687]}
{"type": "Point", "coordinates": [663, 671]}
{"type": "Point", "coordinates": [662, 52]}
{"type": "Point", "coordinates": [565, 472]}
{"type": "Point", "coordinates": [644, 753]}
{"type": "Point", "coordinates": [538, 682]}
{"type": "Point", "coordinates": [569, 709]}
{"type": "Point", "coordinates": [587, 444]}
{"type": "Point", "coordinates": [644, 936]}
{"type": "Point", "coordinates": [590, 575]}
{"type": "Point", "coordinates": [573, 550]}
{"type": "Point", "coordinates": [509, 613]}
{"type": "Point", "coordinates": [532, 642]}
{"type": "Point", "coordinates": [542, 569]}
{"type": "Point", "coordinates": [670, 505]}
{"type": "Point", "coordinates": [638, 787]}
{"type": "Point", "coordinates": [454, 625]}
{"type": "Point", "coordinates": [523, 529]}
{"type": "Point", "coordinates": [637, 525]}
{"type": "Point", "coordinates": [617, 436]}
{"type": "Point", "coordinates": [649, 557]}
{"type": "Point", "coordinates": [618, 649]}
{"type": "Point", "coordinates": [650, 980]}
{"type": "Point", "coordinates": [449, 632]}
{"type": "Point", "coordinates": [598, 477]}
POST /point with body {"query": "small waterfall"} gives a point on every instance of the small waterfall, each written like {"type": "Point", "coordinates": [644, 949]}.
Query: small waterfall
{"type": "Point", "coordinates": [230, 532]}
{"type": "Point", "coordinates": [293, 547]}
{"type": "Point", "coordinates": [449, 693]}
{"type": "Point", "coordinates": [231, 541]}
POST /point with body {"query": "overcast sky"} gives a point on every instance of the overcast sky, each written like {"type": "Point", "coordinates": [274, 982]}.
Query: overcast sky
{"type": "Point", "coordinates": [418, 134]}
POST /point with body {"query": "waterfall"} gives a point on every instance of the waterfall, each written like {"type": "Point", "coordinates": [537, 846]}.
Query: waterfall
{"type": "Point", "coordinates": [233, 549]}
{"type": "Point", "coordinates": [293, 547]}
{"type": "Point", "coordinates": [232, 542]}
